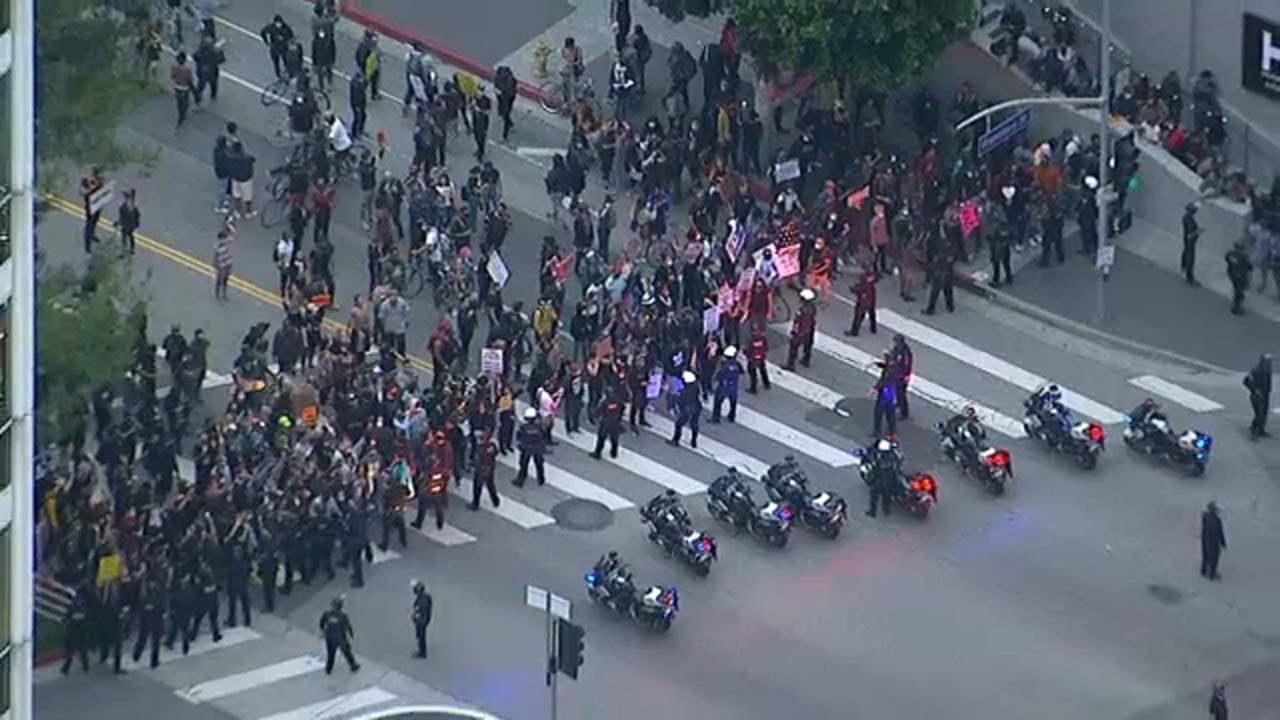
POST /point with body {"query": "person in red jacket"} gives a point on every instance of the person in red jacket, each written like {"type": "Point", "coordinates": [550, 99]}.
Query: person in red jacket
{"type": "Point", "coordinates": [435, 485]}
{"type": "Point", "coordinates": [864, 307]}
{"type": "Point", "coordinates": [802, 329]}
{"type": "Point", "coordinates": [757, 359]}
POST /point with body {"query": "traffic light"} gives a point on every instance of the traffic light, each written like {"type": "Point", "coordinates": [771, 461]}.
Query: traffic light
{"type": "Point", "coordinates": [570, 645]}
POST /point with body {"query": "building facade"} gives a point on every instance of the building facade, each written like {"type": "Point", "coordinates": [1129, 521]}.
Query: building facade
{"type": "Point", "coordinates": [17, 353]}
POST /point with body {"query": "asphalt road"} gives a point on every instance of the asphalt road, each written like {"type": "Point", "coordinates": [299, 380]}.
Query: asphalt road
{"type": "Point", "coordinates": [1074, 596]}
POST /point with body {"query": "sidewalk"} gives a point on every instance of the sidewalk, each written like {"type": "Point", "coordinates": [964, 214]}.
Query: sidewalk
{"type": "Point", "coordinates": [1145, 302]}
{"type": "Point", "coordinates": [250, 675]}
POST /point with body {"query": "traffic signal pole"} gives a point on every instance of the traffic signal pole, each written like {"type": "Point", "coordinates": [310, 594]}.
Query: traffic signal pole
{"type": "Point", "coordinates": [551, 655]}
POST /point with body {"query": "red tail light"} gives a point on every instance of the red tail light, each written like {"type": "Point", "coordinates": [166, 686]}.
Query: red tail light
{"type": "Point", "coordinates": [924, 483]}
{"type": "Point", "coordinates": [1096, 433]}
{"type": "Point", "coordinates": [999, 458]}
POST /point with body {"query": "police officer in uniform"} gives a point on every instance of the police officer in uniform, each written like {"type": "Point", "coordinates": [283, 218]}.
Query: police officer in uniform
{"type": "Point", "coordinates": [727, 376]}
{"type": "Point", "coordinates": [609, 424]}
{"type": "Point", "coordinates": [394, 497]}
{"type": "Point", "coordinates": [688, 410]}
{"type": "Point", "coordinates": [206, 593]}
{"type": "Point", "coordinates": [182, 604]}
{"type": "Point", "coordinates": [356, 540]}
{"type": "Point", "coordinates": [150, 620]}
{"type": "Point", "coordinates": [421, 616]}
{"type": "Point", "coordinates": [802, 331]}
{"type": "Point", "coordinates": [531, 440]}
{"type": "Point", "coordinates": [338, 635]}
{"type": "Point", "coordinates": [903, 365]}
{"type": "Point", "coordinates": [886, 392]}
{"type": "Point", "coordinates": [269, 572]}
{"type": "Point", "coordinates": [111, 614]}
{"type": "Point", "coordinates": [486, 461]}
{"type": "Point", "coordinates": [758, 359]}
{"type": "Point", "coordinates": [883, 481]}
{"type": "Point", "coordinates": [238, 585]}
{"type": "Point", "coordinates": [78, 633]}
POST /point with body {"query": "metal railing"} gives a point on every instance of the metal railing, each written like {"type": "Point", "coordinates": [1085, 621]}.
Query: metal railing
{"type": "Point", "coordinates": [1249, 148]}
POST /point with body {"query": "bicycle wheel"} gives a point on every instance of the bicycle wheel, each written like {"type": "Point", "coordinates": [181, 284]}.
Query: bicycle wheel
{"type": "Point", "coordinates": [274, 92]}
{"type": "Point", "coordinates": [414, 284]}
{"type": "Point", "coordinates": [550, 96]}
{"type": "Point", "coordinates": [322, 99]}
{"type": "Point", "coordinates": [272, 214]}
{"type": "Point", "coordinates": [278, 187]}
{"type": "Point", "coordinates": [280, 136]}
{"type": "Point", "coordinates": [780, 311]}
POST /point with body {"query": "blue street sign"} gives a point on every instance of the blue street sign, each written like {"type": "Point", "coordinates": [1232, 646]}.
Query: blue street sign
{"type": "Point", "coordinates": [1008, 129]}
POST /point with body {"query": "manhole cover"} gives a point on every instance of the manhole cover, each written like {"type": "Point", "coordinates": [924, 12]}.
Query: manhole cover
{"type": "Point", "coordinates": [1165, 594]}
{"type": "Point", "coordinates": [583, 515]}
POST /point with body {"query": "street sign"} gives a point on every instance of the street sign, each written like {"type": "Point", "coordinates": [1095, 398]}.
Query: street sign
{"type": "Point", "coordinates": [1006, 130]}
{"type": "Point", "coordinates": [536, 597]}
{"type": "Point", "coordinates": [1106, 257]}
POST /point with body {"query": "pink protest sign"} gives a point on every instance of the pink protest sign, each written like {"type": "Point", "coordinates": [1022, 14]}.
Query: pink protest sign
{"type": "Point", "coordinates": [969, 218]}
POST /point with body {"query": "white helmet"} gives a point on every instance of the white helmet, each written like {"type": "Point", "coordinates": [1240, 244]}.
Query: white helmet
{"type": "Point", "coordinates": [807, 295]}
{"type": "Point", "coordinates": [689, 377]}
{"type": "Point", "coordinates": [530, 414]}
{"type": "Point", "coordinates": [884, 446]}
{"type": "Point", "coordinates": [731, 352]}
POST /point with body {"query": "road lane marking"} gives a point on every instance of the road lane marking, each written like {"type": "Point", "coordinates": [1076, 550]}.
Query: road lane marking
{"type": "Point", "coordinates": [992, 365]}
{"type": "Point", "coordinates": [919, 386]}
{"type": "Point", "coordinates": [448, 535]}
{"type": "Point", "coordinates": [570, 484]}
{"type": "Point", "coordinates": [1180, 395]}
{"type": "Point", "coordinates": [338, 706]}
{"type": "Point", "coordinates": [636, 464]}
{"type": "Point", "coordinates": [785, 434]}
{"type": "Point", "coordinates": [509, 508]}
{"type": "Point", "coordinates": [250, 679]}
{"type": "Point", "coordinates": [708, 447]}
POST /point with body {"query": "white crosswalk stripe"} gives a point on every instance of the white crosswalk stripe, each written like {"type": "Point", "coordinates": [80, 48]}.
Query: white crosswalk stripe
{"type": "Point", "coordinates": [710, 448]}
{"type": "Point", "coordinates": [242, 682]}
{"type": "Point", "coordinates": [448, 535]}
{"type": "Point", "coordinates": [337, 707]}
{"type": "Point", "coordinates": [992, 365]}
{"type": "Point", "coordinates": [509, 508]}
{"type": "Point", "coordinates": [787, 435]}
{"type": "Point", "coordinates": [1180, 395]}
{"type": "Point", "coordinates": [571, 484]}
{"type": "Point", "coordinates": [920, 386]}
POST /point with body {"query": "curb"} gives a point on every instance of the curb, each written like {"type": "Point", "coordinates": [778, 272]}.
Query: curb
{"type": "Point", "coordinates": [970, 284]}
{"type": "Point", "coordinates": [351, 10]}
{"type": "Point", "coordinates": [49, 658]}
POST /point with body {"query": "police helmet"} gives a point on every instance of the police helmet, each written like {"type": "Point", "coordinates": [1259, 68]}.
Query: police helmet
{"type": "Point", "coordinates": [884, 446]}
{"type": "Point", "coordinates": [731, 352]}
{"type": "Point", "coordinates": [669, 494]}
{"type": "Point", "coordinates": [530, 414]}
{"type": "Point", "coordinates": [969, 412]}
{"type": "Point", "coordinates": [613, 554]}
{"type": "Point", "coordinates": [689, 377]}
{"type": "Point", "coordinates": [807, 295]}
{"type": "Point", "coordinates": [337, 603]}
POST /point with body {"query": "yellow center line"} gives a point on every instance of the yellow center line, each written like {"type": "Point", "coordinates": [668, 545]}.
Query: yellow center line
{"type": "Point", "coordinates": [202, 267]}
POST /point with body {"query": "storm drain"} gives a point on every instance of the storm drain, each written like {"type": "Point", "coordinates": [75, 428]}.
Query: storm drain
{"type": "Point", "coordinates": [582, 515]}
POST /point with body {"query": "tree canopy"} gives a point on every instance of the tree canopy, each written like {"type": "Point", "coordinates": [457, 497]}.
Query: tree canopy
{"type": "Point", "coordinates": [89, 76]}
{"type": "Point", "coordinates": [882, 44]}
{"type": "Point", "coordinates": [86, 335]}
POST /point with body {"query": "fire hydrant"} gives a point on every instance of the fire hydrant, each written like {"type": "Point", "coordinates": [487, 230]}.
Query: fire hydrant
{"type": "Point", "coordinates": [541, 57]}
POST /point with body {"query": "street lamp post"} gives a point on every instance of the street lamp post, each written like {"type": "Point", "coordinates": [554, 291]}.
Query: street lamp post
{"type": "Point", "coordinates": [1106, 252]}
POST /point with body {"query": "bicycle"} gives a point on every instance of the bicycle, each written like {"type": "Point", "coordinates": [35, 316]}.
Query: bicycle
{"type": "Point", "coordinates": [553, 99]}
{"type": "Point", "coordinates": [281, 90]}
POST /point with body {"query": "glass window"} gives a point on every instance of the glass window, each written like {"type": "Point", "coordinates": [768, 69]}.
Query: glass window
{"type": "Point", "coordinates": [5, 592]}
{"type": "Point", "coordinates": [4, 371]}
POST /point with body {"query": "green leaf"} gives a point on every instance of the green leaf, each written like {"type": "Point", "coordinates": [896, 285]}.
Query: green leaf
{"type": "Point", "coordinates": [90, 76]}
{"type": "Point", "coordinates": [86, 332]}
{"type": "Point", "coordinates": [882, 44]}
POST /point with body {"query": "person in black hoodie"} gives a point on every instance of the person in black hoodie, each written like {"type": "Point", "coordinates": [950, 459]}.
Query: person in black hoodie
{"type": "Point", "coordinates": [209, 58]}
{"type": "Point", "coordinates": [324, 53]}
{"type": "Point", "coordinates": [1258, 381]}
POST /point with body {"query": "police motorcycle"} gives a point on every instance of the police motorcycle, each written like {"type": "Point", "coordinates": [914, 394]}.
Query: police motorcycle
{"type": "Point", "coordinates": [1148, 431]}
{"type": "Point", "coordinates": [824, 512]}
{"type": "Point", "coordinates": [1048, 421]}
{"type": "Point", "coordinates": [915, 493]}
{"type": "Point", "coordinates": [609, 584]}
{"type": "Point", "coordinates": [729, 500]}
{"type": "Point", "coordinates": [671, 530]}
{"type": "Point", "coordinates": [964, 441]}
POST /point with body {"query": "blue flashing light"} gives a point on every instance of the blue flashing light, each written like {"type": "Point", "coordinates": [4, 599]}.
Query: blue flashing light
{"type": "Point", "coordinates": [783, 513]}
{"type": "Point", "coordinates": [592, 578]}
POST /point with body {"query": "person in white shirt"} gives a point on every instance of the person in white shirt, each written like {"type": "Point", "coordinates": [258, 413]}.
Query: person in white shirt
{"type": "Point", "coordinates": [339, 138]}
